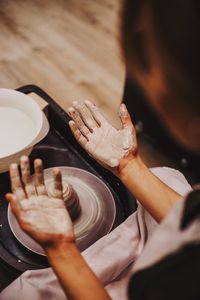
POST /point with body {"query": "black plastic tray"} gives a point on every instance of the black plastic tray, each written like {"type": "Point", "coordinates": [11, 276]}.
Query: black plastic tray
{"type": "Point", "coordinates": [58, 148]}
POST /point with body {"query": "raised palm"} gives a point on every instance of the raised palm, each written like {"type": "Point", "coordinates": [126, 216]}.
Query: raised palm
{"type": "Point", "coordinates": [45, 219]}
{"type": "Point", "coordinates": [98, 137]}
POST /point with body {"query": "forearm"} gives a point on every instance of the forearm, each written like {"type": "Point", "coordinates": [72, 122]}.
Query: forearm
{"type": "Point", "coordinates": [151, 192]}
{"type": "Point", "coordinates": [75, 276]}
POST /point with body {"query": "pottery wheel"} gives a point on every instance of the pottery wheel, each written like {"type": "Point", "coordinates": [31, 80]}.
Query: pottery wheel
{"type": "Point", "coordinates": [97, 209]}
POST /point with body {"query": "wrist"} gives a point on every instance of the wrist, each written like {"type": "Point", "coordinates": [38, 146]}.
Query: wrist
{"type": "Point", "coordinates": [60, 249]}
{"type": "Point", "coordinates": [131, 163]}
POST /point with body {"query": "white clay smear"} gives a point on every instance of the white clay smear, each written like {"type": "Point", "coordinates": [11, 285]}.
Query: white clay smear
{"type": "Point", "coordinates": [16, 130]}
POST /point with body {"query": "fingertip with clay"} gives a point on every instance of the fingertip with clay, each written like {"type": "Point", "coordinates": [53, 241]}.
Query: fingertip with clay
{"type": "Point", "coordinates": [56, 171]}
{"type": "Point", "coordinates": [57, 175]}
{"type": "Point", "coordinates": [123, 113]}
{"type": "Point", "coordinates": [96, 113]}
{"type": "Point", "coordinates": [93, 108]}
{"type": "Point", "coordinates": [71, 110]}
{"type": "Point", "coordinates": [123, 110]}
{"type": "Point", "coordinates": [10, 197]}
{"type": "Point", "coordinates": [58, 188]}
{"type": "Point", "coordinates": [25, 169]}
{"type": "Point", "coordinates": [24, 158]}
{"type": "Point", "coordinates": [89, 103]}
{"type": "Point", "coordinates": [13, 166]}
{"type": "Point", "coordinates": [72, 125]}
{"type": "Point", "coordinates": [37, 162]}
{"type": "Point", "coordinates": [75, 104]}
{"type": "Point", "coordinates": [38, 166]}
{"type": "Point", "coordinates": [125, 117]}
{"type": "Point", "coordinates": [73, 128]}
{"type": "Point", "coordinates": [14, 174]}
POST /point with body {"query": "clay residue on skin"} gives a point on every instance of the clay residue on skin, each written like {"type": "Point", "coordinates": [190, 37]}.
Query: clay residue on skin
{"type": "Point", "coordinates": [127, 139]}
{"type": "Point", "coordinates": [38, 213]}
{"type": "Point", "coordinates": [102, 141]}
{"type": "Point", "coordinates": [46, 215]}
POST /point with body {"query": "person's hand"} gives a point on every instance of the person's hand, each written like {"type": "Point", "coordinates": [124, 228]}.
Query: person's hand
{"type": "Point", "coordinates": [109, 146]}
{"type": "Point", "coordinates": [45, 219]}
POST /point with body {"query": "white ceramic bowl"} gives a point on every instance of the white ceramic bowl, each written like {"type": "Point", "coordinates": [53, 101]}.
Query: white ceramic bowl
{"type": "Point", "coordinates": [21, 122]}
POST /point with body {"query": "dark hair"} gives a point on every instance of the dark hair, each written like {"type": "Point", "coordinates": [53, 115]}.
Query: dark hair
{"type": "Point", "coordinates": [176, 27]}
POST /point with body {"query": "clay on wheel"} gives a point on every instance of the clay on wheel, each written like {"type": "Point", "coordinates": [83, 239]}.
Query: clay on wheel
{"type": "Point", "coordinates": [70, 198]}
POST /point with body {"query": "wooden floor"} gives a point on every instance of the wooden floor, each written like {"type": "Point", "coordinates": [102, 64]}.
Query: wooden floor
{"type": "Point", "coordinates": [67, 47]}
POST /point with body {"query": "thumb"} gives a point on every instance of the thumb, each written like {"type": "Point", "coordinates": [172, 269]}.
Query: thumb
{"type": "Point", "coordinates": [125, 116]}
{"type": "Point", "coordinates": [14, 204]}
{"type": "Point", "coordinates": [10, 197]}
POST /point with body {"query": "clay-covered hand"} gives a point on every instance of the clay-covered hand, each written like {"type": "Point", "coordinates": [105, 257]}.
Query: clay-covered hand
{"type": "Point", "coordinates": [108, 145]}
{"type": "Point", "coordinates": [45, 219]}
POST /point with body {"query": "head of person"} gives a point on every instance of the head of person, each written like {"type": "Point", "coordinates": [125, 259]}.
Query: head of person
{"type": "Point", "coordinates": [161, 47]}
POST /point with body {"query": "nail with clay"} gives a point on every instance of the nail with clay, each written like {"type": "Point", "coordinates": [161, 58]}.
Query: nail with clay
{"type": "Point", "coordinates": [71, 110]}
{"type": "Point", "coordinates": [71, 123]}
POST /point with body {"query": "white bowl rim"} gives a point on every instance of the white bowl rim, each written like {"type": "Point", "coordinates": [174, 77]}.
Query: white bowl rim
{"type": "Point", "coordinates": [40, 120]}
